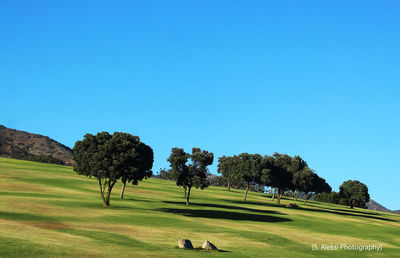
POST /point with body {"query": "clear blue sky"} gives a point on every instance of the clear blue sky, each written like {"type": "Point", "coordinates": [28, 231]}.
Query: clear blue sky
{"type": "Point", "coordinates": [320, 79]}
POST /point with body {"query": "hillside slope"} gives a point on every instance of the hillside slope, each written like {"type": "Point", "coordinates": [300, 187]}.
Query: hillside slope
{"type": "Point", "coordinates": [48, 210]}
{"type": "Point", "coordinates": [23, 145]}
{"type": "Point", "coordinates": [373, 205]}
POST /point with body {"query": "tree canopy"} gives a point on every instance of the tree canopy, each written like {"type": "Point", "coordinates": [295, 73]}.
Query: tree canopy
{"type": "Point", "coordinates": [277, 172]}
{"type": "Point", "coordinates": [111, 157]}
{"type": "Point", "coordinates": [227, 167]}
{"type": "Point", "coordinates": [248, 170]}
{"type": "Point", "coordinates": [190, 175]}
{"type": "Point", "coordinates": [354, 193]}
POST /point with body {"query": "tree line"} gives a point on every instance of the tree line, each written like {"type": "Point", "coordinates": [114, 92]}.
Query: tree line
{"type": "Point", "coordinates": [279, 171]}
{"type": "Point", "coordinates": [122, 156]}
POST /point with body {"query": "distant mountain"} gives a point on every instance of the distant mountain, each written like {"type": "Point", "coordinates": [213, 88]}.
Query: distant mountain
{"type": "Point", "coordinates": [28, 146]}
{"type": "Point", "coordinates": [373, 205]}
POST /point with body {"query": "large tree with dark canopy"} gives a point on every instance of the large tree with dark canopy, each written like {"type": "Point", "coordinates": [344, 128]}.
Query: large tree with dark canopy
{"type": "Point", "coordinates": [135, 159]}
{"type": "Point", "coordinates": [194, 174]}
{"type": "Point", "coordinates": [111, 157]}
{"type": "Point", "coordinates": [179, 168]}
{"type": "Point", "coordinates": [248, 170]}
{"type": "Point", "coordinates": [227, 167]}
{"type": "Point", "coordinates": [298, 165]}
{"type": "Point", "coordinates": [354, 193]}
{"type": "Point", "coordinates": [276, 173]}
{"type": "Point", "coordinates": [310, 183]}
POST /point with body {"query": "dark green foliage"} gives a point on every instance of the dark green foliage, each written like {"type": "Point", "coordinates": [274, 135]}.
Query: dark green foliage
{"type": "Point", "coordinates": [134, 158]}
{"type": "Point", "coordinates": [309, 182]}
{"type": "Point", "coordinates": [332, 197]}
{"type": "Point", "coordinates": [194, 174]}
{"type": "Point", "coordinates": [165, 174]}
{"type": "Point", "coordinates": [227, 167]}
{"type": "Point", "coordinates": [277, 172]}
{"type": "Point", "coordinates": [354, 193]}
{"type": "Point", "coordinates": [112, 157]}
{"type": "Point", "coordinates": [297, 165]}
{"type": "Point", "coordinates": [218, 181]}
{"type": "Point", "coordinates": [304, 180]}
{"type": "Point", "coordinates": [179, 169]}
{"type": "Point", "coordinates": [222, 181]}
{"type": "Point", "coordinates": [248, 170]}
{"type": "Point", "coordinates": [43, 159]}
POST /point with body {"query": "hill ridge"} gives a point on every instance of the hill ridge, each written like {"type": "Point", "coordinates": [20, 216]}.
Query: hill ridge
{"type": "Point", "coordinates": [30, 146]}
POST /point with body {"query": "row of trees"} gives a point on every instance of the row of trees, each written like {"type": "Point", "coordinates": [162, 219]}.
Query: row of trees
{"type": "Point", "coordinates": [279, 171]}
{"type": "Point", "coordinates": [122, 156]}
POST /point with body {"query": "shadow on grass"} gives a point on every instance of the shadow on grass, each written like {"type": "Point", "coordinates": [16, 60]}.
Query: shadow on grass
{"type": "Point", "coordinates": [265, 203]}
{"type": "Point", "coordinates": [199, 249]}
{"type": "Point", "coordinates": [315, 208]}
{"type": "Point", "coordinates": [39, 221]}
{"type": "Point", "coordinates": [340, 212]}
{"type": "Point", "coordinates": [230, 207]}
{"type": "Point", "coordinates": [216, 214]}
{"type": "Point", "coordinates": [109, 238]}
{"type": "Point", "coordinates": [135, 199]}
{"type": "Point", "coordinates": [370, 213]}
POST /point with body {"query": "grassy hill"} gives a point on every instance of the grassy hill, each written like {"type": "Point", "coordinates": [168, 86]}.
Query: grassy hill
{"type": "Point", "coordinates": [48, 210]}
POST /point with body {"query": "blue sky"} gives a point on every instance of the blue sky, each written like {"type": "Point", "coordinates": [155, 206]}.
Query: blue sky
{"type": "Point", "coordinates": [319, 79]}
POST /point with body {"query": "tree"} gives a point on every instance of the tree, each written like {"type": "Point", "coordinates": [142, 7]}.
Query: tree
{"type": "Point", "coordinates": [136, 159]}
{"type": "Point", "coordinates": [248, 170]}
{"type": "Point", "coordinates": [309, 182]}
{"type": "Point", "coordinates": [276, 173]}
{"type": "Point", "coordinates": [226, 167]}
{"type": "Point", "coordinates": [354, 193]}
{"type": "Point", "coordinates": [198, 170]}
{"type": "Point", "coordinates": [165, 174]}
{"type": "Point", "coordinates": [297, 165]}
{"type": "Point", "coordinates": [177, 160]}
{"type": "Point", "coordinates": [109, 158]}
{"type": "Point", "coordinates": [194, 174]}
{"type": "Point", "coordinates": [305, 181]}
{"type": "Point", "coordinates": [330, 197]}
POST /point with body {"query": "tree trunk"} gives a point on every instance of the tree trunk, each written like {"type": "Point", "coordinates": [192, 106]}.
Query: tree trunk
{"type": "Point", "coordinates": [297, 196]}
{"type": "Point", "coordinates": [294, 194]}
{"type": "Point", "coordinates": [110, 187]}
{"type": "Point", "coordinates": [123, 190]}
{"type": "Point", "coordinates": [278, 199]}
{"type": "Point", "coordinates": [188, 196]}
{"type": "Point", "coordinates": [273, 195]}
{"type": "Point", "coordinates": [305, 199]}
{"type": "Point", "coordinates": [247, 190]}
{"type": "Point", "coordinates": [185, 190]}
{"type": "Point", "coordinates": [229, 184]}
{"type": "Point", "coordinates": [102, 195]}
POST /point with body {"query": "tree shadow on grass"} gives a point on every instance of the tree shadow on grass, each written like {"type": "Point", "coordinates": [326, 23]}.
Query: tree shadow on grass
{"type": "Point", "coordinates": [230, 207]}
{"type": "Point", "coordinates": [359, 214]}
{"type": "Point", "coordinates": [217, 214]}
{"type": "Point", "coordinates": [131, 199]}
{"type": "Point", "coordinates": [339, 212]}
{"type": "Point", "coordinates": [265, 203]}
{"type": "Point", "coordinates": [371, 212]}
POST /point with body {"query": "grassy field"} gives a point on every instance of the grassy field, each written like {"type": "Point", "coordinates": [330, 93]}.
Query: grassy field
{"type": "Point", "coordinates": [48, 210]}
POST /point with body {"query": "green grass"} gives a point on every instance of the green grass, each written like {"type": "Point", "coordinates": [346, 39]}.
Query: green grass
{"type": "Point", "coordinates": [48, 210]}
